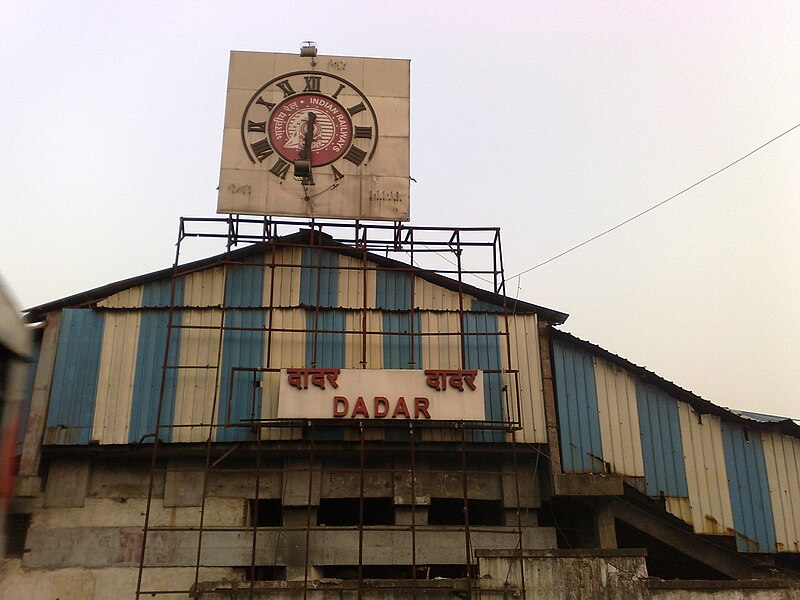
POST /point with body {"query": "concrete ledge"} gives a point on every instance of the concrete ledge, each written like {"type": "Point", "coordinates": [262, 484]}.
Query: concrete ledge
{"type": "Point", "coordinates": [588, 484]}
{"type": "Point", "coordinates": [702, 584]}
{"type": "Point", "coordinates": [572, 553]}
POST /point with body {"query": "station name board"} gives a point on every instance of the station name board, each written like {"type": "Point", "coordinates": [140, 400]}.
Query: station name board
{"type": "Point", "coordinates": [389, 394]}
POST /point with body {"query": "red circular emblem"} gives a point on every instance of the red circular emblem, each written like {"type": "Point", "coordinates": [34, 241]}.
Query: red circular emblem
{"type": "Point", "coordinates": [333, 129]}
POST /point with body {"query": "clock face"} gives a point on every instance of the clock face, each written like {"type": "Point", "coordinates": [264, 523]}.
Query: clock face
{"type": "Point", "coordinates": [277, 120]}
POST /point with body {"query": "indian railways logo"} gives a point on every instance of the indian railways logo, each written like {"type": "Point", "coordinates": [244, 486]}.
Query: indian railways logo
{"type": "Point", "coordinates": [332, 129]}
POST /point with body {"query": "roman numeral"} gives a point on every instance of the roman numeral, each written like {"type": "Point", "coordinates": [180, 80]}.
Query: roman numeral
{"type": "Point", "coordinates": [336, 174]}
{"type": "Point", "coordinates": [280, 168]}
{"type": "Point", "coordinates": [364, 132]}
{"type": "Point", "coordinates": [262, 149]}
{"type": "Point", "coordinates": [355, 155]}
{"type": "Point", "coordinates": [286, 87]}
{"type": "Point", "coordinates": [354, 110]}
{"type": "Point", "coordinates": [337, 92]}
{"type": "Point", "coordinates": [263, 102]}
{"type": "Point", "coordinates": [260, 126]}
{"type": "Point", "coordinates": [312, 83]}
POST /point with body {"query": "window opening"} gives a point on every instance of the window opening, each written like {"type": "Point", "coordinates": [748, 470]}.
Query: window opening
{"type": "Point", "coordinates": [345, 511]}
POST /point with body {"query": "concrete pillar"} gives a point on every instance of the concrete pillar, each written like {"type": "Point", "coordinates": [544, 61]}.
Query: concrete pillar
{"type": "Point", "coordinates": [604, 525]}
{"type": "Point", "coordinates": [28, 481]}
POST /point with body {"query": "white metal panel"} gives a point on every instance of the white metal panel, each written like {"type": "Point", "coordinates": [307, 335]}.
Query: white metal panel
{"type": "Point", "coordinates": [428, 296]}
{"type": "Point", "coordinates": [204, 288]}
{"type": "Point", "coordinates": [524, 343]}
{"type": "Point", "coordinates": [282, 287]}
{"type": "Point", "coordinates": [196, 392]}
{"type": "Point", "coordinates": [619, 420]}
{"type": "Point", "coordinates": [129, 298]}
{"type": "Point", "coordinates": [680, 508]}
{"type": "Point", "coordinates": [355, 342]}
{"type": "Point", "coordinates": [112, 412]}
{"type": "Point", "coordinates": [351, 283]}
{"type": "Point", "coordinates": [285, 350]}
{"type": "Point", "coordinates": [782, 455]}
{"type": "Point", "coordinates": [706, 475]}
{"type": "Point", "coordinates": [440, 352]}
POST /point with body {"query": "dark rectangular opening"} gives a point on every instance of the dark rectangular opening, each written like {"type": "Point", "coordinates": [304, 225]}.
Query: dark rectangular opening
{"type": "Point", "coordinates": [350, 572]}
{"type": "Point", "coordinates": [264, 573]}
{"type": "Point", "coordinates": [450, 511]}
{"type": "Point", "coordinates": [345, 511]}
{"type": "Point", "coordinates": [17, 531]}
{"type": "Point", "coordinates": [267, 512]}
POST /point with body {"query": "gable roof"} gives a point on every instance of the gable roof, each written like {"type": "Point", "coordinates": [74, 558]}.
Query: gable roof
{"type": "Point", "coordinates": [303, 237]}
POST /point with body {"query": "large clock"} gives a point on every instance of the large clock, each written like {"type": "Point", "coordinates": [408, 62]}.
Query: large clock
{"type": "Point", "coordinates": [316, 136]}
{"type": "Point", "coordinates": [300, 122]}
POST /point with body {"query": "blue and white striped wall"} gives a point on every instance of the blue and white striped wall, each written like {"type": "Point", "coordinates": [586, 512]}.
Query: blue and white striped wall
{"type": "Point", "coordinates": [108, 374]}
{"type": "Point", "coordinates": [723, 476]}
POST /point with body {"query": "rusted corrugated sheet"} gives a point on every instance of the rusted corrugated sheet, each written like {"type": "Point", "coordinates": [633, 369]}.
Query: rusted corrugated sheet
{"type": "Point", "coordinates": [116, 377]}
{"type": "Point", "coordinates": [706, 476]}
{"type": "Point", "coordinates": [619, 423]}
{"type": "Point", "coordinates": [782, 455]}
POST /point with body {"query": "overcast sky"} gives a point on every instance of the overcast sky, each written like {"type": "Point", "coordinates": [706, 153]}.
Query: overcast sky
{"type": "Point", "coordinates": [551, 120]}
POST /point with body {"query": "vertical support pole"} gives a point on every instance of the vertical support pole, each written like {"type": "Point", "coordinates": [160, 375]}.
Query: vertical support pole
{"type": "Point", "coordinates": [520, 543]}
{"type": "Point", "coordinates": [308, 506]}
{"type": "Point", "coordinates": [549, 404]}
{"type": "Point", "coordinates": [467, 544]}
{"type": "Point", "coordinates": [154, 453]}
{"type": "Point", "coordinates": [364, 282]}
{"type": "Point", "coordinates": [254, 515]}
{"type": "Point", "coordinates": [413, 514]}
{"type": "Point", "coordinates": [360, 507]}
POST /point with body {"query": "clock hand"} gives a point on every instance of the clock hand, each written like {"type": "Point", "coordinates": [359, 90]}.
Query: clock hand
{"type": "Point", "coordinates": [302, 167]}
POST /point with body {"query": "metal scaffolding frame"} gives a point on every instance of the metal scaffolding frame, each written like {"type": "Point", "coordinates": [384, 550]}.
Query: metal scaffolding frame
{"type": "Point", "coordinates": [393, 241]}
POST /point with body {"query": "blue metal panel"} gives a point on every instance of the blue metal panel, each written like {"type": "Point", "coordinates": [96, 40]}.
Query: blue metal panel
{"type": "Point", "coordinates": [397, 355]}
{"type": "Point", "coordinates": [330, 352]}
{"type": "Point", "coordinates": [481, 306]}
{"type": "Point", "coordinates": [69, 418]}
{"type": "Point", "coordinates": [749, 489]}
{"type": "Point", "coordinates": [578, 416]}
{"type": "Point", "coordinates": [150, 361]}
{"type": "Point", "coordinates": [483, 352]}
{"type": "Point", "coordinates": [319, 266]}
{"type": "Point", "coordinates": [156, 294]}
{"type": "Point", "coordinates": [397, 348]}
{"type": "Point", "coordinates": [239, 398]}
{"type": "Point", "coordinates": [662, 448]}
{"type": "Point", "coordinates": [393, 290]}
{"type": "Point", "coordinates": [330, 346]}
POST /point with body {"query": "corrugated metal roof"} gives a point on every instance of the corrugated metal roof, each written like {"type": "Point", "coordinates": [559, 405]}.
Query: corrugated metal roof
{"type": "Point", "coordinates": [91, 297]}
{"type": "Point", "coordinates": [699, 404]}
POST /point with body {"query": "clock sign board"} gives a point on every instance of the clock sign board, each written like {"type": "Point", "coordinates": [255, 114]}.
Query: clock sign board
{"type": "Point", "coordinates": [316, 136]}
